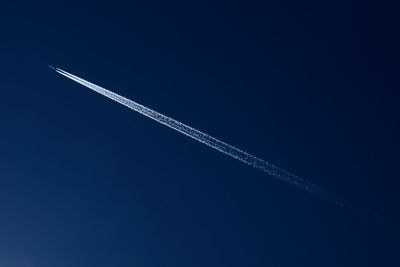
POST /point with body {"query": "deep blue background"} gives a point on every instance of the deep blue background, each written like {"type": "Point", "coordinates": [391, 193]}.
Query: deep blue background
{"type": "Point", "coordinates": [311, 87]}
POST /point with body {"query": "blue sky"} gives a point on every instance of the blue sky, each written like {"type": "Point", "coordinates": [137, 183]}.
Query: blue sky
{"type": "Point", "coordinates": [310, 87]}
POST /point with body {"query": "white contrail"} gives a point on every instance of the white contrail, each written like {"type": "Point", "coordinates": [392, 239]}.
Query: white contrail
{"type": "Point", "coordinates": [210, 141]}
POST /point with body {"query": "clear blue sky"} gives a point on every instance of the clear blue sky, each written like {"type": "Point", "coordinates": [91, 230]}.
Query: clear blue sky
{"type": "Point", "coordinates": [309, 86]}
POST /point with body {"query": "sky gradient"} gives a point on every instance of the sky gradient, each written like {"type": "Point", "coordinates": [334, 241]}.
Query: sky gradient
{"type": "Point", "coordinates": [310, 87]}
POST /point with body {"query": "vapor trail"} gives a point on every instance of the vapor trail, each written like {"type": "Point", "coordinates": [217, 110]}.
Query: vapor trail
{"type": "Point", "coordinates": [210, 141]}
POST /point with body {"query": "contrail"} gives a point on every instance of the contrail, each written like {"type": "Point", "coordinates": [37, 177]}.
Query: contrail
{"type": "Point", "coordinates": [212, 142]}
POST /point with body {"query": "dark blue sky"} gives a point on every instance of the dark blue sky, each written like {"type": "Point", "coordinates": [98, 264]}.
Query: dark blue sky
{"type": "Point", "coordinates": [311, 87]}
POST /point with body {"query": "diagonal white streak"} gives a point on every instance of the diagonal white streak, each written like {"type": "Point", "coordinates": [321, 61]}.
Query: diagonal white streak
{"type": "Point", "coordinates": [210, 141]}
